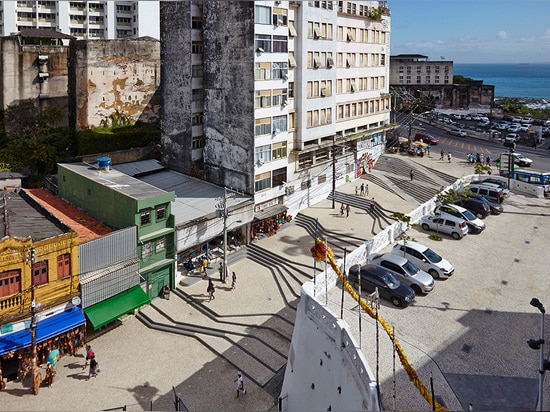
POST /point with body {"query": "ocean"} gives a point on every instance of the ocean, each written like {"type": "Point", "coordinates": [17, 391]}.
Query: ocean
{"type": "Point", "coordinates": [527, 81]}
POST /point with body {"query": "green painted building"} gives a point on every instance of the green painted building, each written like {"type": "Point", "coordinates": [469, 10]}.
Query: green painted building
{"type": "Point", "coordinates": [122, 201]}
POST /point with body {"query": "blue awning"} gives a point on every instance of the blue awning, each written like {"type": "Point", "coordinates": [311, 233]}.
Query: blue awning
{"type": "Point", "coordinates": [45, 329]}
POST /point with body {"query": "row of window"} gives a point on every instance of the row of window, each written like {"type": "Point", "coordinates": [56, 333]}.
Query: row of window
{"type": "Point", "coordinates": [270, 44]}
{"type": "Point", "coordinates": [427, 68]}
{"type": "Point", "coordinates": [10, 281]}
{"type": "Point", "coordinates": [354, 34]}
{"type": "Point", "coordinates": [267, 153]}
{"type": "Point", "coordinates": [268, 125]}
{"type": "Point", "coordinates": [327, 5]}
{"type": "Point", "coordinates": [350, 7]}
{"type": "Point", "coordinates": [320, 88]}
{"type": "Point", "coordinates": [319, 117]}
{"type": "Point", "coordinates": [158, 246]}
{"type": "Point", "coordinates": [319, 60]}
{"type": "Point", "coordinates": [160, 214]}
{"type": "Point", "coordinates": [270, 179]}
{"type": "Point", "coordinates": [320, 31]}
{"type": "Point", "coordinates": [362, 108]}
{"type": "Point", "coordinates": [271, 71]}
{"type": "Point", "coordinates": [269, 98]}
{"type": "Point", "coordinates": [267, 15]}
{"type": "Point", "coordinates": [425, 81]}
{"type": "Point", "coordinates": [352, 85]}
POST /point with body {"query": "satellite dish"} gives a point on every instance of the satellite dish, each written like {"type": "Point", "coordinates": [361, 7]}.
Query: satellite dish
{"type": "Point", "coordinates": [76, 301]}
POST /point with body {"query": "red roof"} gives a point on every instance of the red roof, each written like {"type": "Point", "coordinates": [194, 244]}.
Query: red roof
{"type": "Point", "coordinates": [87, 227]}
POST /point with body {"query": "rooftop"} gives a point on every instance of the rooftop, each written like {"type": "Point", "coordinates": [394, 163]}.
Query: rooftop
{"type": "Point", "coordinates": [87, 227]}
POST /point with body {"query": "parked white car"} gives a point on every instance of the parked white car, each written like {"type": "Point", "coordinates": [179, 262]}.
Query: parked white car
{"type": "Point", "coordinates": [475, 224]}
{"type": "Point", "coordinates": [447, 224]}
{"type": "Point", "coordinates": [424, 258]}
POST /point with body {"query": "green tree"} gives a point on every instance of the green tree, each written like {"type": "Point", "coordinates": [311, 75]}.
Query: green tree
{"type": "Point", "coordinates": [406, 219]}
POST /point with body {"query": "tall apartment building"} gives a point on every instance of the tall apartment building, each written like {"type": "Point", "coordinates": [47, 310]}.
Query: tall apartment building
{"type": "Point", "coordinates": [83, 19]}
{"type": "Point", "coordinates": [417, 69]}
{"type": "Point", "coordinates": [280, 99]}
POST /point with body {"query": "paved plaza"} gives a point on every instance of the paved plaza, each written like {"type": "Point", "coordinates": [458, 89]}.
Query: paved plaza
{"type": "Point", "coordinates": [469, 334]}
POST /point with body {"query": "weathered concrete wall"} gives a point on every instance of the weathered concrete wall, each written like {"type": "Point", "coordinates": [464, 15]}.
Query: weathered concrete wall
{"type": "Point", "coordinates": [115, 76]}
{"type": "Point", "coordinates": [229, 94]}
{"type": "Point", "coordinates": [176, 140]}
{"type": "Point", "coordinates": [19, 74]}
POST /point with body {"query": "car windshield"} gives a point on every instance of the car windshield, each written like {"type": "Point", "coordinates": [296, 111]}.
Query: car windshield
{"type": "Point", "coordinates": [469, 215]}
{"type": "Point", "coordinates": [390, 280]}
{"type": "Point", "coordinates": [432, 256]}
{"type": "Point", "coordinates": [520, 156]}
{"type": "Point", "coordinates": [410, 268]}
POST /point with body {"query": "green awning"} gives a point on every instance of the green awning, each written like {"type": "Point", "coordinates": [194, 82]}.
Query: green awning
{"type": "Point", "coordinates": [110, 309]}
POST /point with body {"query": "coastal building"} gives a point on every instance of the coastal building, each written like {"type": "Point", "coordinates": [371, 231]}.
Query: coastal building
{"type": "Point", "coordinates": [415, 80]}
{"type": "Point", "coordinates": [292, 103]}
{"type": "Point", "coordinates": [83, 19]}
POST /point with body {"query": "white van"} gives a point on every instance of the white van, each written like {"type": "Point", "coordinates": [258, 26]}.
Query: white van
{"type": "Point", "coordinates": [424, 258]}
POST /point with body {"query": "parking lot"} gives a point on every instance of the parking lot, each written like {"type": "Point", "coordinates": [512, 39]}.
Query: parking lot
{"type": "Point", "coordinates": [470, 332]}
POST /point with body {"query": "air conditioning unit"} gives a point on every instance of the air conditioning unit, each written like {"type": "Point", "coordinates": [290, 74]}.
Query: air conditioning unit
{"type": "Point", "coordinates": [280, 22]}
{"type": "Point", "coordinates": [260, 50]}
{"type": "Point", "coordinates": [285, 76]}
{"type": "Point", "coordinates": [276, 132]}
{"type": "Point", "coordinates": [278, 2]}
{"type": "Point", "coordinates": [44, 76]}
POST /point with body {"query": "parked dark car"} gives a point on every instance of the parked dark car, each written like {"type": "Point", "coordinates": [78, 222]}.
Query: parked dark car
{"type": "Point", "coordinates": [496, 208]}
{"type": "Point", "coordinates": [389, 287]}
{"type": "Point", "coordinates": [477, 206]}
{"type": "Point", "coordinates": [493, 180]}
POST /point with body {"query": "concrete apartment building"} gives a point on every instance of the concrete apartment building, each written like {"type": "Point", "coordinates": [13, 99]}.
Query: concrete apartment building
{"type": "Point", "coordinates": [414, 78]}
{"type": "Point", "coordinates": [283, 100]}
{"type": "Point", "coordinates": [83, 19]}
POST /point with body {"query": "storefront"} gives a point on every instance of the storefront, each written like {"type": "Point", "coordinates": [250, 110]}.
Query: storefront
{"type": "Point", "coordinates": [269, 220]}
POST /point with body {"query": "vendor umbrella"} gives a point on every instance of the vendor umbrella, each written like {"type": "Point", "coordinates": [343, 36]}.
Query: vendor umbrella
{"type": "Point", "coordinates": [403, 139]}
{"type": "Point", "coordinates": [53, 357]}
{"type": "Point", "coordinates": [420, 144]}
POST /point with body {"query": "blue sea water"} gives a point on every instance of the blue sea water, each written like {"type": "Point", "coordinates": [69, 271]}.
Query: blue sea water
{"type": "Point", "coordinates": [529, 81]}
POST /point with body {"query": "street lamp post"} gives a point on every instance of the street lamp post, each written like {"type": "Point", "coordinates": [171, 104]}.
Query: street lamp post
{"type": "Point", "coordinates": [539, 345]}
{"type": "Point", "coordinates": [222, 212]}
{"type": "Point", "coordinates": [36, 375]}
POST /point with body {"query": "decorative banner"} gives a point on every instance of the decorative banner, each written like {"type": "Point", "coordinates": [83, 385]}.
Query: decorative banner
{"type": "Point", "coordinates": [320, 251]}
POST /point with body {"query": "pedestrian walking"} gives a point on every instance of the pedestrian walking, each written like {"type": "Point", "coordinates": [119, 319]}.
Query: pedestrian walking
{"type": "Point", "coordinates": [89, 354]}
{"type": "Point", "coordinates": [220, 269]}
{"type": "Point", "coordinates": [94, 368]}
{"type": "Point", "coordinates": [362, 189]}
{"type": "Point", "coordinates": [348, 209]}
{"type": "Point", "coordinates": [442, 154]}
{"type": "Point", "coordinates": [367, 189]}
{"type": "Point", "coordinates": [428, 148]}
{"type": "Point", "coordinates": [210, 290]}
{"type": "Point", "coordinates": [233, 281]}
{"type": "Point", "coordinates": [411, 173]}
{"type": "Point", "coordinates": [240, 383]}
{"type": "Point", "coordinates": [449, 157]}
{"type": "Point", "coordinates": [342, 208]}
{"type": "Point", "coordinates": [356, 190]}
{"type": "Point", "coordinates": [488, 161]}
{"type": "Point", "coordinates": [372, 204]}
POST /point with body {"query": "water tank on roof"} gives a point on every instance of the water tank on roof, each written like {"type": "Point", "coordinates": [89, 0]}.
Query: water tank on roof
{"type": "Point", "coordinates": [104, 163]}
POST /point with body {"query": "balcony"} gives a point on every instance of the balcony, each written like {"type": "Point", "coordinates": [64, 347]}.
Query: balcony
{"type": "Point", "coordinates": [12, 304]}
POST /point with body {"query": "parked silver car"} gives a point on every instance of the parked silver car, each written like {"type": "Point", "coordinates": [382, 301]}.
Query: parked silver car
{"type": "Point", "coordinates": [448, 224]}
{"type": "Point", "coordinates": [475, 224]}
{"type": "Point", "coordinates": [405, 271]}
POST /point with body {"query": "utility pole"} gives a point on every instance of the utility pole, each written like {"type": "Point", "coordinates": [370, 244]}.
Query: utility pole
{"type": "Point", "coordinates": [36, 375]}
{"type": "Point", "coordinates": [333, 170]}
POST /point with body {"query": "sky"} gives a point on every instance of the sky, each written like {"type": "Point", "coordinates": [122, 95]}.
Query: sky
{"type": "Point", "coordinates": [472, 31]}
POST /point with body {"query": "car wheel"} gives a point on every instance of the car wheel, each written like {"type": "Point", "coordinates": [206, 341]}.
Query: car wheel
{"type": "Point", "coordinates": [480, 216]}
{"type": "Point", "coordinates": [396, 301]}
{"type": "Point", "coordinates": [434, 273]}
{"type": "Point", "coordinates": [455, 235]}
{"type": "Point", "coordinates": [416, 289]}
{"type": "Point", "coordinates": [425, 226]}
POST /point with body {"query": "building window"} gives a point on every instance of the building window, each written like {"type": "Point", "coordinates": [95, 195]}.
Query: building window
{"type": "Point", "coordinates": [280, 124]}
{"type": "Point", "coordinates": [10, 283]}
{"type": "Point", "coordinates": [279, 150]}
{"type": "Point", "coordinates": [292, 29]}
{"type": "Point", "coordinates": [262, 99]}
{"type": "Point", "coordinates": [160, 245]}
{"type": "Point", "coordinates": [145, 218]}
{"type": "Point", "coordinates": [262, 15]}
{"type": "Point", "coordinates": [280, 70]}
{"type": "Point", "coordinates": [263, 126]}
{"type": "Point", "coordinates": [146, 250]}
{"type": "Point", "coordinates": [262, 181]}
{"type": "Point", "coordinates": [198, 142]}
{"type": "Point", "coordinates": [196, 119]}
{"type": "Point", "coordinates": [196, 23]}
{"type": "Point", "coordinates": [280, 44]}
{"type": "Point", "coordinates": [197, 47]}
{"type": "Point", "coordinates": [262, 154]}
{"type": "Point", "coordinates": [40, 273]}
{"type": "Point", "coordinates": [279, 97]}
{"type": "Point", "coordinates": [290, 90]}
{"type": "Point", "coordinates": [263, 41]}
{"type": "Point", "coordinates": [280, 16]}
{"type": "Point", "coordinates": [279, 176]}
{"type": "Point", "coordinates": [64, 266]}
{"type": "Point", "coordinates": [161, 213]}
{"type": "Point", "coordinates": [197, 70]}
{"type": "Point", "coordinates": [291, 59]}
{"type": "Point", "coordinates": [262, 71]}
{"type": "Point", "coordinates": [196, 95]}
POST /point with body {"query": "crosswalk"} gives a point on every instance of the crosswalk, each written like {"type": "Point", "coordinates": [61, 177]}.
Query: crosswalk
{"type": "Point", "coordinates": [470, 147]}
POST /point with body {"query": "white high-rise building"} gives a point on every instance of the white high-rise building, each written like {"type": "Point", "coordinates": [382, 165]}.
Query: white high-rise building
{"type": "Point", "coordinates": [284, 100]}
{"type": "Point", "coordinates": [83, 19]}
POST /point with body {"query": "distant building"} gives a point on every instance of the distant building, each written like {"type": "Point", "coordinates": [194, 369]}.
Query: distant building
{"type": "Point", "coordinates": [414, 79]}
{"type": "Point", "coordinates": [83, 19]}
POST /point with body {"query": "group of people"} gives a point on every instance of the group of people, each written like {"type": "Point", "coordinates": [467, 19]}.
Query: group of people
{"type": "Point", "coordinates": [449, 156]}
{"type": "Point", "coordinates": [362, 190]}
{"type": "Point", "coordinates": [478, 158]}
{"type": "Point", "coordinates": [345, 208]}
{"type": "Point", "coordinates": [94, 365]}
{"type": "Point", "coordinates": [210, 289]}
